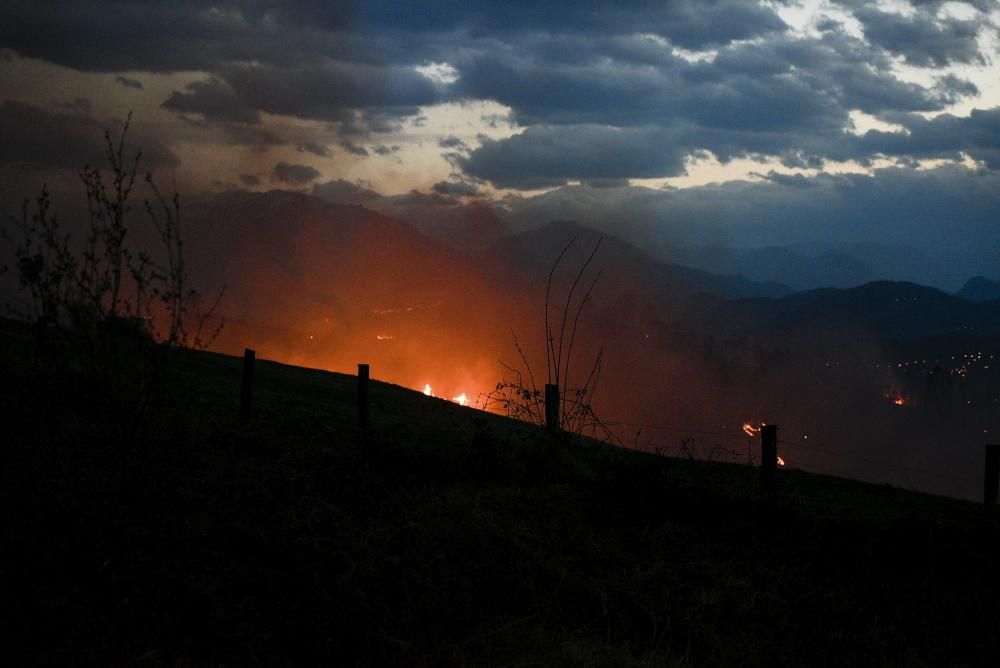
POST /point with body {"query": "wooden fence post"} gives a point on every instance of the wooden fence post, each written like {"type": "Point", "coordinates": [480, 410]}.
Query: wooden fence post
{"type": "Point", "coordinates": [552, 409]}
{"type": "Point", "coordinates": [768, 457]}
{"type": "Point", "coordinates": [991, 483]}
{"type": "Point", "coordinates": [41, 325]}
{"type": "Point", "coordinates": [363, 372]}
{"type": "Point", "coordinates": [246, 392]}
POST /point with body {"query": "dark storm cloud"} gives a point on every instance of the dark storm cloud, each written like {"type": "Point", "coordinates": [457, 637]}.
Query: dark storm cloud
{"type": "Point", "coordinates": [189, 35]}
{"type": "Point", "coordinates": [214, 100]}
{"type": "Point", "coordinates": [689, 23]}
{"type": "Point", "coordinates": [452, 142]}
{"type": "Point", "coordinates": [770, 98]}
{"type": "Point", "coordinates": [922, 39]}
{"type": "Point", "coordinates": [545, 156]}
{"type": "Point", "coordinates": [248, 135]}
{"type": "Point", "coordinates": [128, 35]}
{"type": "Point", "coordinates": [327, 91]}
{"type": "Point", "coordinates": [787, 97]}
{"type": "Point", "coordinates": [944, 136]}
{"type": "Point", "coordinates": [588, 80]}
{"type": "Point", "coordinates": [129, 83]}
{"type": "Point", "coordinates": [30, 135]}
{"type": "Point", "coordinates": [361, 123]}
{"type": "Point", "coordinates": [295, 175]}
{"type": "Point", "coordinates": [787, 82]}
{"type": "Point", "coordinates": [314, 148]}
{"type": "Point", "coordinates": [455, 188]}
{"type": "Point", "coordinates": [354, 149]}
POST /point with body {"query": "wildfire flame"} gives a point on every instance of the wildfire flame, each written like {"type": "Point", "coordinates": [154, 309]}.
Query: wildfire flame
{"type": "Point", "coordinates": [462, 399]}
{"type": "Point", "coordinates": [898, 398]}
{"type": "Point", "coordinates": [754, 432]}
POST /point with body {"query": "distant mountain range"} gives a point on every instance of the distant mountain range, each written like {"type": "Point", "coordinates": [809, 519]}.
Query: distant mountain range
{"type": "Point", "coordinates": [295, 259]}
{"type": "Point", "coordinates": [884, 309]}
{"type": "Point", "coordinates": [795, 268]}
{"type": "Point", "coordinates": [532, 253]}
{"type": "Point", "coordinates": [980, 289]}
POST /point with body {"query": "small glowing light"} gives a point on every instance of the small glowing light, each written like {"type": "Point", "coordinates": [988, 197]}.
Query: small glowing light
{"type": "Point", "coordinates": [427, 390]}
{"type": "Point", "coordinates": [461, 400]}
{"type": "Point", "coordinates": [781, 462]}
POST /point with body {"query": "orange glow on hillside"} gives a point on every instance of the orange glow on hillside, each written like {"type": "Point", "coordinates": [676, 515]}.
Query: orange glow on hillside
{"type": "Point", "coordinates": [462, 399]}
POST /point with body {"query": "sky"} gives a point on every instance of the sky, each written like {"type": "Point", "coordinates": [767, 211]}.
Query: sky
{"type": "Point", "coordinates": [721, 121]}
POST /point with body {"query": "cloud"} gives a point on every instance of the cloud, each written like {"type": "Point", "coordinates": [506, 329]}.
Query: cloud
{"type": "Point", "coordinates": [214, 100]}
{"type": "Point", "coordinates": [353, 149]}
{"type": "Point", "coordinates": [456, 188]}
{"type": "Point", "coordinates": [452, 142]}
{"type": "Point", "coordinates": [600, 92]}
{"type": "Point", "coordinates": [921, 38]}
{"type": "Point", "coordinates": [296, 175]}
{"type": "Point", "coordinates": [249, 180]}
{"type": "Point", "coordinates": [329, 90]}
{"type": "Point", "coordinates": [129, 83]}
{"type": "Point", "coordinates": [314, 148]}
{"type": "Point", "coordinates": [546, 156]}
{"type": "Point", "coordinates": [944, 136]}
{"type": "Point", "coordinates": [788, 97]}
{"type": "Point", "coordinates": [247, 135]}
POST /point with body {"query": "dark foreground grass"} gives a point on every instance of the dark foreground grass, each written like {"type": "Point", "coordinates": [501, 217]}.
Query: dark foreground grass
{"type": "Point", "coordinates": [171, 534]}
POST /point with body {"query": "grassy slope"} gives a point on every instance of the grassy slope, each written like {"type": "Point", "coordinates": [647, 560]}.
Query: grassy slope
{"type": "Point", "coordinates": [451, 537]}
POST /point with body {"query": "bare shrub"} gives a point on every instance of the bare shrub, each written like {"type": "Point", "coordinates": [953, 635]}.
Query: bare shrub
{"type": "Point", "coordinates": [107, 291]}
{"type": "Point", "coordinates": [517, 394]}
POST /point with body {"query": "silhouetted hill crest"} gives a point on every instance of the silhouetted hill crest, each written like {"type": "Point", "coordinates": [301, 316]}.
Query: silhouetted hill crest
{"type": "Point", "coordinates": [534, 251]}
{"type": "Point", "coordinates": [980, 289]}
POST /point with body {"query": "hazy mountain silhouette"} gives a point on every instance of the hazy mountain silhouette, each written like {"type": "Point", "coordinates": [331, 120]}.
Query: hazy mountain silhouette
{"type": "Point", "coordinates": [294, 260]}
{"type": "Point", "coordinates": [980, 289]}
{"type": "Point", "coordinates": [883, 308]}
{"type": "Point", "coordinates": [311, 251]}
{"type": "Point", "coordinates": [778, 264]}
{"type": "Point", "coordinates": [632, 269]}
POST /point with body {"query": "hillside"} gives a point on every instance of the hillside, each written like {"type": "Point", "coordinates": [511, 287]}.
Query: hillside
{"type": "Point", "coordinates": [166, 532]}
